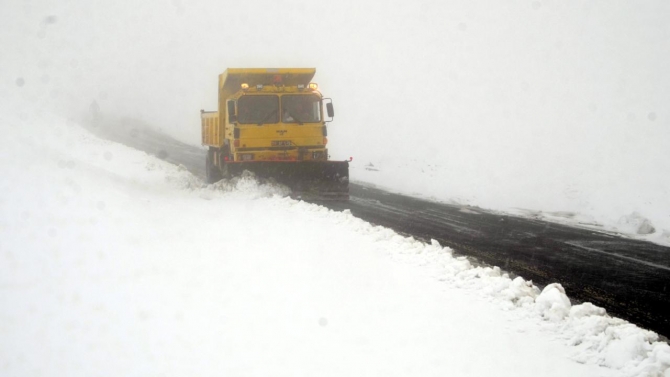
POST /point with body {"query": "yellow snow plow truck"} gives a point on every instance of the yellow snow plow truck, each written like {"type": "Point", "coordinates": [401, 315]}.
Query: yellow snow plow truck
{"type": "Point", "coordinates": [271, 122]}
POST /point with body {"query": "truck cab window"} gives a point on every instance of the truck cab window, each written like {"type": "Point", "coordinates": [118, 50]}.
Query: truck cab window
{"type": "Point", "coordinates": [252, 109]}
{"type": "Point", "coordinates": [301, 108]}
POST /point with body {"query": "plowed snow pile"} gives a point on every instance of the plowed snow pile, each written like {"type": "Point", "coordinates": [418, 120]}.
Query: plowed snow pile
{"type": "Point", "coordinates": [115, 263]}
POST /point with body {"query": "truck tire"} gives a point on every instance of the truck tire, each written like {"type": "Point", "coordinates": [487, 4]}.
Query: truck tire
{"type": "Point", "coordinates": [212, 172]}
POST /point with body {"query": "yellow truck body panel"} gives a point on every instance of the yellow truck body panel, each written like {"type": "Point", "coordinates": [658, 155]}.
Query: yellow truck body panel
{"type": "Point", "coordinates": [212, 132]}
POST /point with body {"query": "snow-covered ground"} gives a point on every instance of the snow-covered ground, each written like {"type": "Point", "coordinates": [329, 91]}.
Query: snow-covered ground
{"type": "Point", "coordinates": [113, 262]}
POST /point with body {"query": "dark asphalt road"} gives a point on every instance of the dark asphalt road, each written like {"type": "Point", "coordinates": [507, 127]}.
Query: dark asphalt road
{"type": "Point", "coordinates": [629, 278]}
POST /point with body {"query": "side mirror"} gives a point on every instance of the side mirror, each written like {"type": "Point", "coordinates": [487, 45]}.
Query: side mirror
{"type": "Point", "coordinates": [329, 110]}
{"type": "Point", "coordinates": [232, 117]}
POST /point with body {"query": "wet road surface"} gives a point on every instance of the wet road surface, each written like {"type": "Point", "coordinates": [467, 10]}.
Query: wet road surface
{"type": "Point", "coordinates": [629, 278]}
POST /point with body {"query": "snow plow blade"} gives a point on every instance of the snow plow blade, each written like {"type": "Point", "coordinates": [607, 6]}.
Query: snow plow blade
{"type": "Point", "coordinates": [308, 180]}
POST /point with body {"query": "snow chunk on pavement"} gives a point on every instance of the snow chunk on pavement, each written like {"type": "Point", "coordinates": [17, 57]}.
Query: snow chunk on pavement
{"type": "Point", "coordinates": [636, 223]}
{"type": "Point", "coordinates": [553, 304]}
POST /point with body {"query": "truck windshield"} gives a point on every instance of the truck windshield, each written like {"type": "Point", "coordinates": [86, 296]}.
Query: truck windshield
{"type": "Point", "coordinates": [258, 109]}
{"type": "Point", "coordinates": [301, 108]}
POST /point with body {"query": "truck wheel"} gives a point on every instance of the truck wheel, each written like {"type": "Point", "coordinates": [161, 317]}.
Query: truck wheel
{"type": "Point", "coordinates": [212, 173]}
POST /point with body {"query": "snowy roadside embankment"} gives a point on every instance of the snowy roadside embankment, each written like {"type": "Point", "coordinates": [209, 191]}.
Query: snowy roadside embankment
{"type": "Point", "coordinates": [597, 338]}
{"type": "Point", "coordinates": [117, 263]}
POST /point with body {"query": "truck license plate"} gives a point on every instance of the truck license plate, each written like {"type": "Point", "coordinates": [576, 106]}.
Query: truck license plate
{"type": "Point", "coordinates": [281, 143]}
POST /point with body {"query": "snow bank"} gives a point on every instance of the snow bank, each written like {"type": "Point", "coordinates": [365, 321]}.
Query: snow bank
{"type": "Point", "coordinates": [247, 186]}
{"type": "Point", "coordinates": [597, 338]}
{"type": "Point", "coordinates": [78, 182]}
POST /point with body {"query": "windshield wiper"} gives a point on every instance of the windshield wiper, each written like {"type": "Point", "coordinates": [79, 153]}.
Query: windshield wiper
{"type": "Point", "coordinates": [267, 117]}
{"type": "Point", "coordinates": [300, 122]}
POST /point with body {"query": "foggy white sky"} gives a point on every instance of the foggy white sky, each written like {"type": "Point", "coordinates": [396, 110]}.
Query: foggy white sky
{"type": "Point", "coordinates": [514, 102]}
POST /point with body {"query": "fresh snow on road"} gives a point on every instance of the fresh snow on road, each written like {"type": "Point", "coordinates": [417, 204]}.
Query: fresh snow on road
{"type": "Point", "coordinates": [116, 263]}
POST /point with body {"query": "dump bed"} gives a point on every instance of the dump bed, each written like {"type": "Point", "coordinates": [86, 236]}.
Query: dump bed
{"type": "Point", "coordinates": [212, 133]}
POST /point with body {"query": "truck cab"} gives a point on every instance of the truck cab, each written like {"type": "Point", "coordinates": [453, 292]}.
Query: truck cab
{"type": "Point", "coordinates": [267, 116]}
